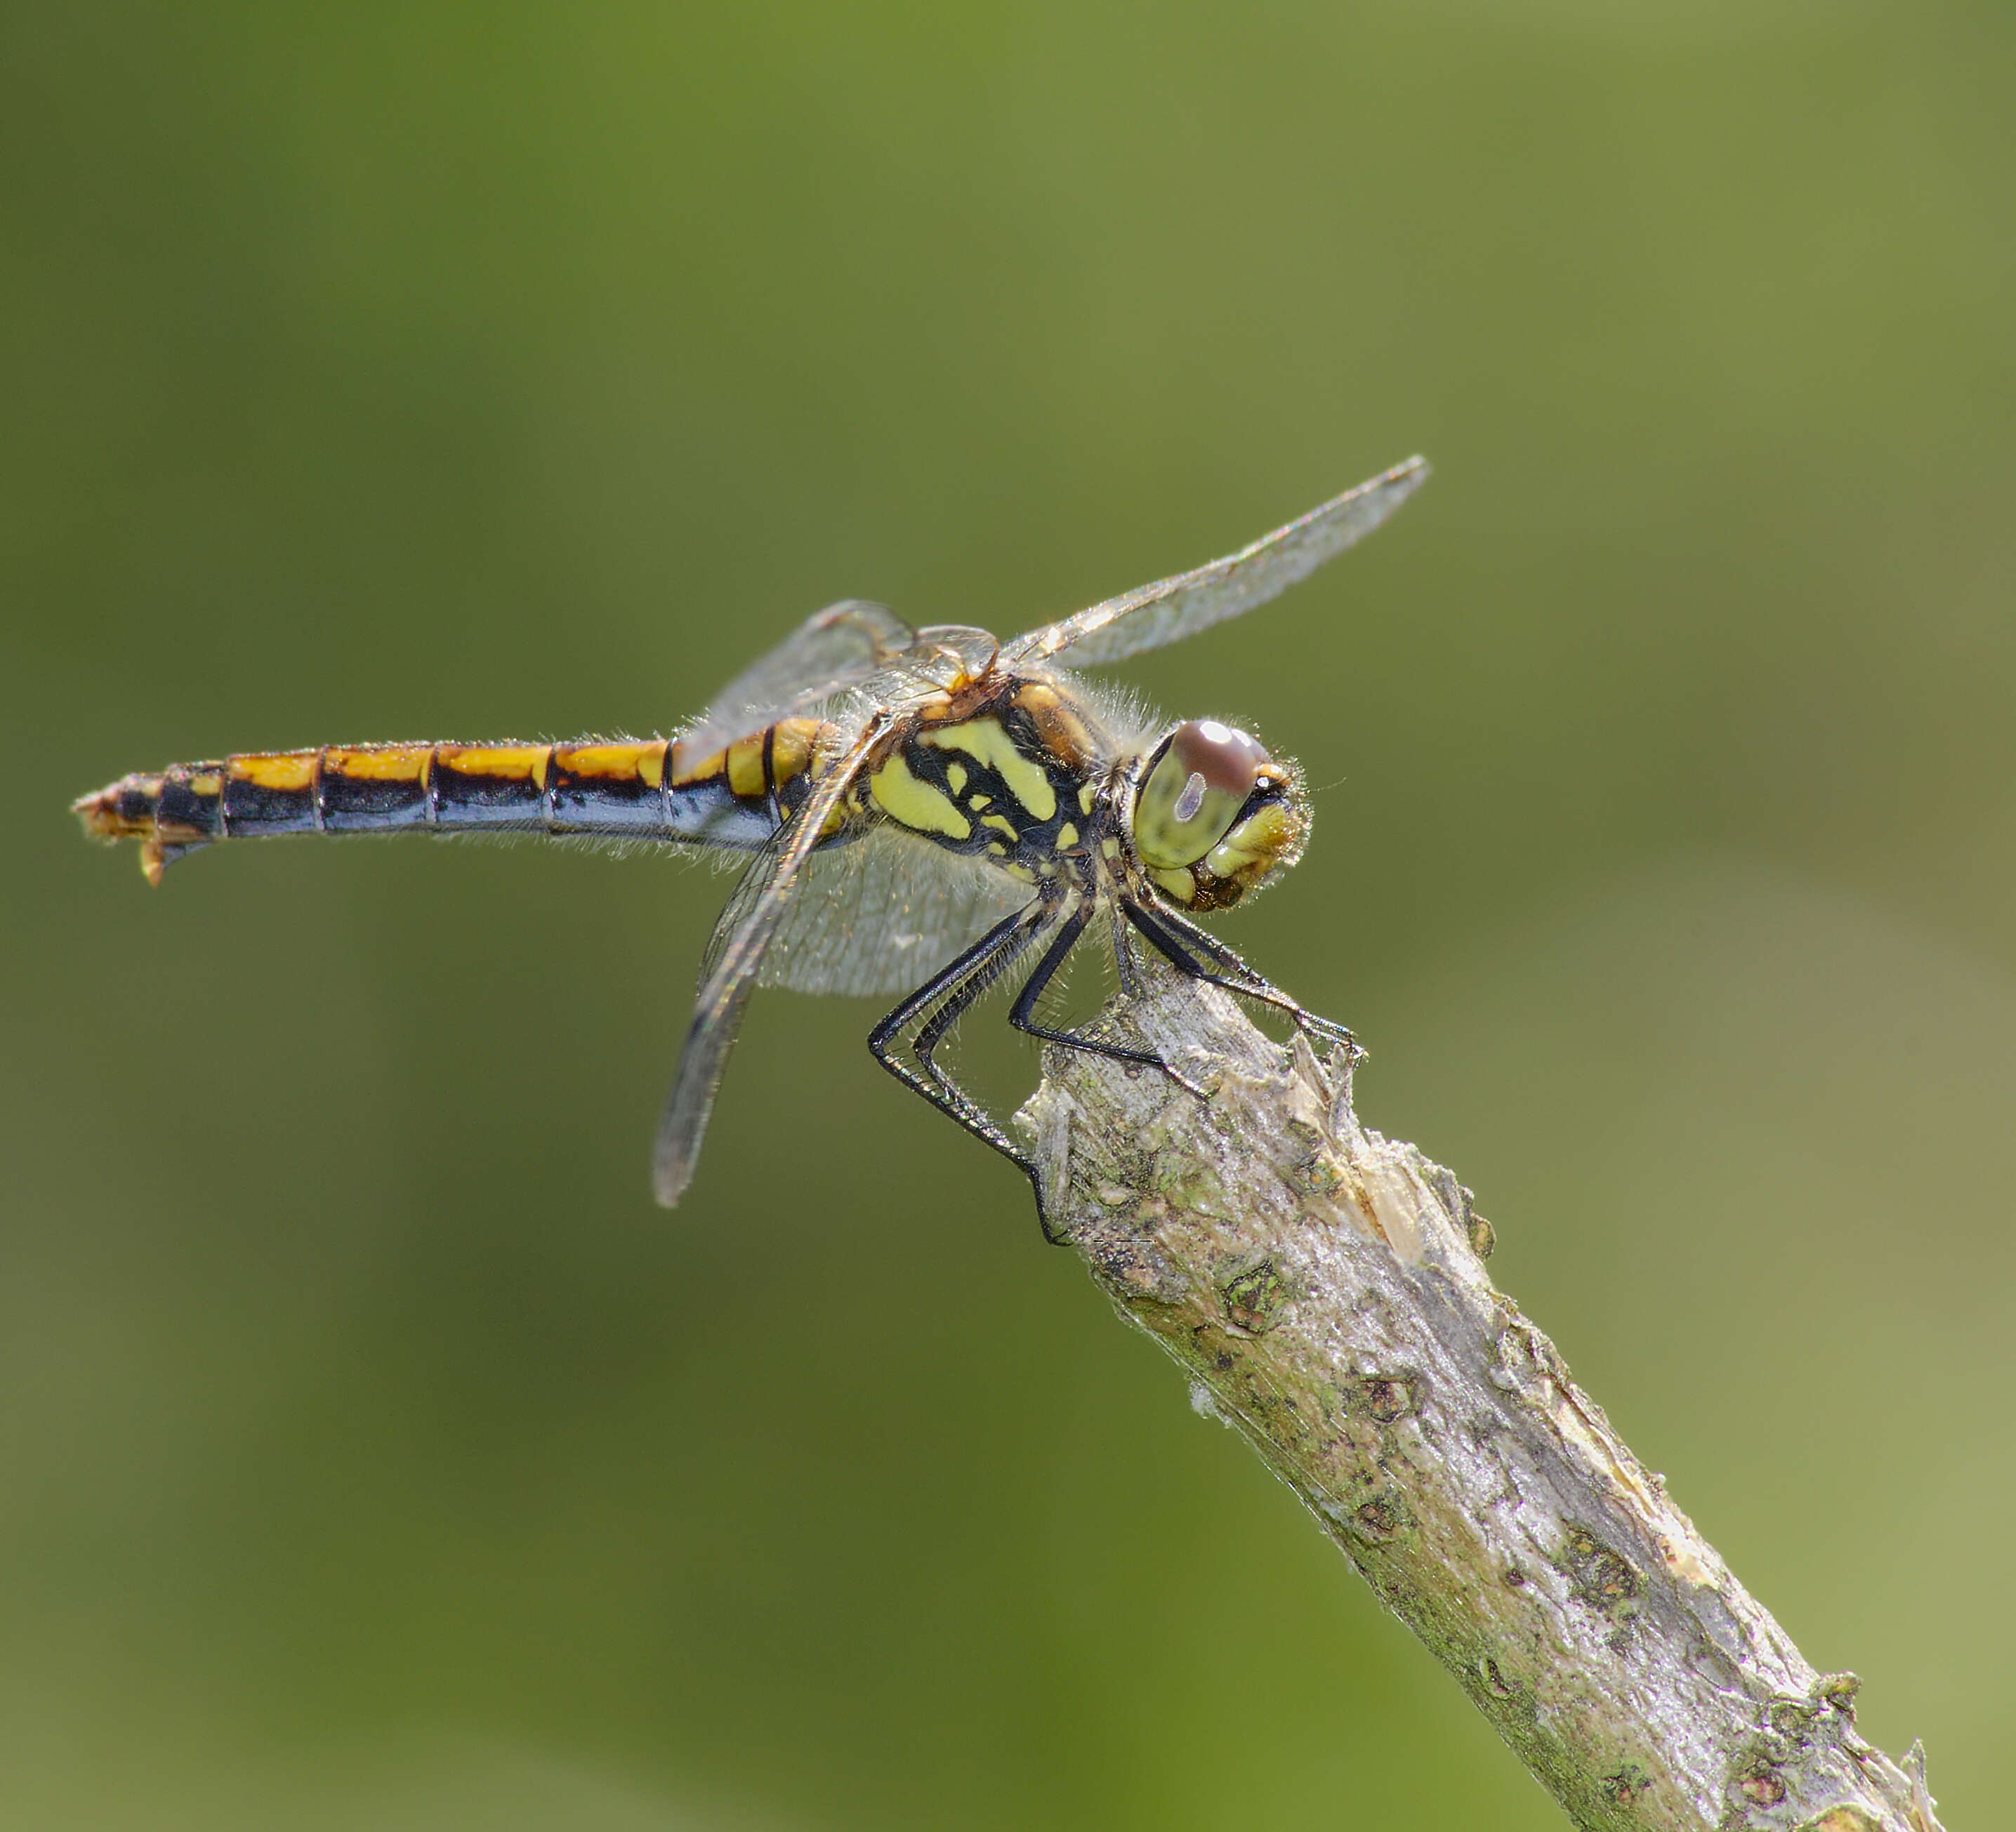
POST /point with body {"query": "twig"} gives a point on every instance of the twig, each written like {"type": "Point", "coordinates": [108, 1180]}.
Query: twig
{"type": "Point", "coordinates": [1324, 1288]}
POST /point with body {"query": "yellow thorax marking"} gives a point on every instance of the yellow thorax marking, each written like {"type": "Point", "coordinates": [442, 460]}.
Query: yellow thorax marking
{"type": "Point", "coordinates": [1000, 822]}
{"type": "Point", "coordinates": [985, 741]}
{"type": "Point", "coordinates": [1059, 728]}
{"type": "Point", "coordinates": [916, 804]}
{"type": "Point", "coordinates": [283, 771]}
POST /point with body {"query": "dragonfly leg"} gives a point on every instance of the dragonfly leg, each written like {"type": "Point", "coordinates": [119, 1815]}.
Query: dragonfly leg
{"type": "Point", "coordinates": [940, 1002]}
{"type": "Point", "coordinates": [1200, 955]}
{"type": "Point", "coordinates": [959, 1000]}
{"type": "Point", "coordinates": [1123, 961]}
{"type": "Point", "coordinates": [1022, 1015]}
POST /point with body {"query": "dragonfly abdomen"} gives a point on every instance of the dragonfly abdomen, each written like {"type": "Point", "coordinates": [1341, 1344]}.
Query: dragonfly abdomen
{"type": "Point", "coordinates": [630, 789]}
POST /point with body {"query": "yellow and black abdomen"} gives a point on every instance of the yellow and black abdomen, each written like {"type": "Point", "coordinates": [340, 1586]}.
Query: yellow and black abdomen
{"type": "Point", "coordinates": [642, 790]}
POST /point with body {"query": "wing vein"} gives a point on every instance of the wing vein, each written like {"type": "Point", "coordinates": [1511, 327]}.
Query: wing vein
{"type": "Point", "coordinates": [1171, 609]}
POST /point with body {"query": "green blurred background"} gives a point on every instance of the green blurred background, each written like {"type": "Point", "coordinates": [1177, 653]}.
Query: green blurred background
{"type": "Point", "coordinates": [373, 1454]}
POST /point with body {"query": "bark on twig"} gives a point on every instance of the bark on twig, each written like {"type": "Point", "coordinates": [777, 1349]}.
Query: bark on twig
{"type": "Point", "coordinates": [1324, 1288]}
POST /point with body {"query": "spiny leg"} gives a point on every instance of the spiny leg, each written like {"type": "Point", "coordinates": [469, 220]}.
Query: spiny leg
{"type": "Point", "coordinates": [1186, 947]}
{"type": "Point", "coordinates": [1123, 962]}
{"type": "Point", "coordinates": [946, 998]}
{"type": "Point", "coordinates": [958, 1002]}
{"type": "Point", "coordinates": [956, 989]}
{"type": "Point", "coordinates": [942, 1001]}
{"type": "Point", "coordinates": [952, 992]}
{"type": "Point", "coordinates": [1022, 1015]}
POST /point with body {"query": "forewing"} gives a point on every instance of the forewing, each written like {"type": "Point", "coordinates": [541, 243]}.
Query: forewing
{"type": "Point", "coordinates": [1171, 609]}
{"type": "Point", "coordinates": [759, 906]}
{"type": "Point", "coordinates": [831, 651]}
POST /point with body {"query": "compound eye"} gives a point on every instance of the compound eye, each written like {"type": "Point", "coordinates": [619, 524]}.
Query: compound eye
{"type": "Point", "coordinates": [1194, 792]}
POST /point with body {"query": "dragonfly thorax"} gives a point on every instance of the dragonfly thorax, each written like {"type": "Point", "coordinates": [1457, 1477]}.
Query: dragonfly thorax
{"type": "Point", "coordinates": [1008, 771]}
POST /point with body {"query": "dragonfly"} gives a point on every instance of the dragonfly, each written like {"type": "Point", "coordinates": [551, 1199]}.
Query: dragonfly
{"type": "Point", "coordinates": [922, 812]}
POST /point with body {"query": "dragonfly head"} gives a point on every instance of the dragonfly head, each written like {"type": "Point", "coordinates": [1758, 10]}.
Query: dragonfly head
{"type": "Point", "coordinates": [1213, 814]}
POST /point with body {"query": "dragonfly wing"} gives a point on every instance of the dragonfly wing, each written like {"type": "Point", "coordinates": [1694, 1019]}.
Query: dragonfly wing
{"type": "Point", "coordinates": [759, 906]}
{"type": "Point", "coordinates": [1171, 609]}
{"type": "Point", "coordinates": [832, 650]}
{"type": "Point", "coordinates": [882, 914]}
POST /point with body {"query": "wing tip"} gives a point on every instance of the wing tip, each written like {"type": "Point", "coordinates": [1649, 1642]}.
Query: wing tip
{"type": "Point", "coordinates": [1365, 506]}
{"type": "Point", "coordinates": [1409, 475]}
{"type": "Point", "coordinates": [672, 1175]}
